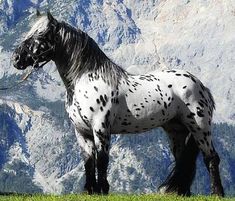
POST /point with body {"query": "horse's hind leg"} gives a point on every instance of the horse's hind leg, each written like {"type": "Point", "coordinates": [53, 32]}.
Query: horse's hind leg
{"type": "Point", "coordinates": [185, 152]}
{"type": "Point", "coordinates": [198, 122]}
{"type": "Point", "coordinates": [86, 143]}
{"type": "Point", "coordinates": [212, 160]}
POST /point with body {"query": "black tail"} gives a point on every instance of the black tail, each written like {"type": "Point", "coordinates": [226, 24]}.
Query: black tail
{"type": "Point", "coordinates": [181, 177]}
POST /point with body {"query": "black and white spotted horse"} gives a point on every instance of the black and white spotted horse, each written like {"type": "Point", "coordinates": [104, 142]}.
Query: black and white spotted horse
{"type": "Point", "coordinates": [103, 99]}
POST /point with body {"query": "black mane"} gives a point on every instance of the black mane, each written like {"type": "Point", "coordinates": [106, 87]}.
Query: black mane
{"type": "Point", "coordinates": [86, 57]}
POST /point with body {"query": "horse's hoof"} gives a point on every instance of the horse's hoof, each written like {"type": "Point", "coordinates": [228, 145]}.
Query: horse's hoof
{"type": "Point", "coordinates": [105, 188]}
{"type": "Point", "coordinates": [88, 191]}
{"type": "Point", "coordinates": [165, 190]}
{"type": "Point", "coordinates": [162, 190]}
{"type": "Point", "coordinates": [8, 193]}
{"type": "Point", "coordinates": [219, 193]}
{"type": "Point", "coordinates": [97, 190]}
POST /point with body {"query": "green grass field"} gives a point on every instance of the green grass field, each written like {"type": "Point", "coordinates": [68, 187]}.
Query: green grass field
{"type": "Point", "coordinates": [115, 197]}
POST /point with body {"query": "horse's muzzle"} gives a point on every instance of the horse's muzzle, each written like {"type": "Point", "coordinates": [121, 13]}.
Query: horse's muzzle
{"type": "Point", "coordinates": [18, 62]}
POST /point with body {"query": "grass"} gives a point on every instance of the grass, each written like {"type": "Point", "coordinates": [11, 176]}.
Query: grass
{"type": "Point", "coordinates": [112, 197]}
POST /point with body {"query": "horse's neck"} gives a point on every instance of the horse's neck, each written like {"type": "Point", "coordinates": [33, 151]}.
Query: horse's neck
{"type": "Point", "coordinates": [71, 56]}
{"type": "Point", "coordinates": [68, 82]}
{"type": "Point", "coordinates": [74, 59]}
{"type": "Point", "coordinates": [64, 51]}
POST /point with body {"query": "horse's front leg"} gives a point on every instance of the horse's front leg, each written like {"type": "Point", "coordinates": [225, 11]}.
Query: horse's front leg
{"type": "Point", "coordinates": [87, 145]}
{"type": "Point", "coordinates": [102, 143]}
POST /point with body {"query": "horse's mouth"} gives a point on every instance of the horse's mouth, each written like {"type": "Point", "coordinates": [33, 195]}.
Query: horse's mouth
{"type": "Point", "coordinates": [19, 66]}
{"type": "Point", "coordinates": [17, 62]}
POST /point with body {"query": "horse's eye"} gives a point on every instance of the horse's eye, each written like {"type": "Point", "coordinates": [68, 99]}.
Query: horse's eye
{"type": "Point", "coordinates": [42, 46]}
{"type": "Point", "coordinates": [37, 41]}
{"type": "Point", "coordinates": [17, 57]}
{"type": "Point", "coordinates": [35, 50]}
{"type": "Point", "coordinates": [31, 48]}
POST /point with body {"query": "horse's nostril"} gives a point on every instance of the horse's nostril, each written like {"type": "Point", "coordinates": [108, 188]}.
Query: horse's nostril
{"type": "Point", "coordinates": [17, 58]}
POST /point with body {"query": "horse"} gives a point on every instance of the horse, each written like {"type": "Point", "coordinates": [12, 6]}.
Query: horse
{"type": "Point", "coordinates": [104, 99]}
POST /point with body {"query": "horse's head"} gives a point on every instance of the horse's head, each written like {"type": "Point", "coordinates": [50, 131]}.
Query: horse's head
{"type": "Point", "coordinates": [38, 45]}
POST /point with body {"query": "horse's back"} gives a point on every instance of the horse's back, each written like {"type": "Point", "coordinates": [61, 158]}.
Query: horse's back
{"type": "Point", "coordinates": [150, 100]}
{"type": "Point", "coordinates": [145, 102]}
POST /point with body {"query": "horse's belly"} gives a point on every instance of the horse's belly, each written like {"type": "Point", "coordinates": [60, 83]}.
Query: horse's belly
{"type": "Point", "coordinates": [135, 122]}
{"type": "Point", "coordinates": [133, 127]}
{"type": "Point", "coordinates": [144, 107]}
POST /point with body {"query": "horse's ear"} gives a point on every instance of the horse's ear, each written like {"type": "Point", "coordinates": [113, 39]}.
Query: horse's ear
{"type": "Point", "coordinates": [38, 13]}
{"type": "Point", "coordinates": [50, 17]}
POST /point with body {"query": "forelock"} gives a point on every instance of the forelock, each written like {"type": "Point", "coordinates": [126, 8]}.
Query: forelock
{"type": "Point", "coordinates": [39, 27]}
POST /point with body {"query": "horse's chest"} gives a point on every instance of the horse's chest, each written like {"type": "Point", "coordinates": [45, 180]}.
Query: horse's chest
{"type": "Point", "coordinates": [90, 103]}
{"type": "Point", "coordinates": [74, 111]}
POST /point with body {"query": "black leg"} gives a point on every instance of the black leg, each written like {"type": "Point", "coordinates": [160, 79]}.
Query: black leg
{"type": "Point", "coordinates": [101, 132]}
{"type": "Point", "coordinates": [212, 164]}
{"type": "Point", "coordinates": [181, 177]}
{"type": "Point", "coordinates": [10, 193]}
{"type": "Point", "coordinates": [102, 166]}
{"type": "Point", "coordinates": [90, 185]}
{"type": "Point", "coordinates": [185, 152]}
{"type": "Point", "coordinates": [86, 142]}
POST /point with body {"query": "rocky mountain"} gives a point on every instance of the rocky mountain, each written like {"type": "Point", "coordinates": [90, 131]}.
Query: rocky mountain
{"type": "Point", "coordinates": [38, 149]}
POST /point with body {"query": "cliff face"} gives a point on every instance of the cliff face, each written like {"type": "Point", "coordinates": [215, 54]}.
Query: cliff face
{"type": "Point", "coordinates": [38, 147]}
